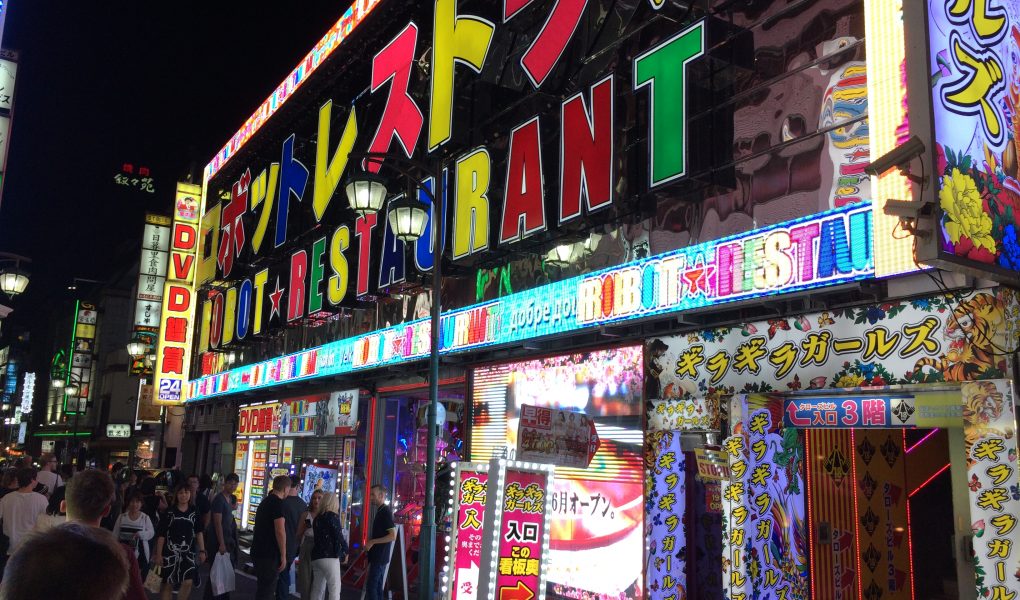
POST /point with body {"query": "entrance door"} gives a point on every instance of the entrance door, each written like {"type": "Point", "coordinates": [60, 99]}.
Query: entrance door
{"type": "Point", "coordinates": [882, 515]}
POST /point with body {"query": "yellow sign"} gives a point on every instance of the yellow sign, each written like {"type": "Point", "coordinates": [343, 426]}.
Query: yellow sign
{"type": "Point", "coordinates": [173, 355]}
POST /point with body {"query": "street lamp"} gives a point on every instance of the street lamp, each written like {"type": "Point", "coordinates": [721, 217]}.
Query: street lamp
{"type": "Point", "coordinates": [13, 280]}
{"type": "Point", "coordinates": [136, 348]}
{"type": "Point", "coordinates": [408, 217]}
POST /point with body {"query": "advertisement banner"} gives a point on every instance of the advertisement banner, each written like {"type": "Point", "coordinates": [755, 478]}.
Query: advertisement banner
{"type": "Point", "coordinates": [338, 414]}
{"type": "Point", "coordinates": [177, 314]}
{"type": "Point", "coordinates": [517, 506]}
{"type": "Point", "coordinates": [596, 527]}
{"type": "Point", "coordinates": [466, 538]}
{"type": "Point", "coordinates": [258, 420]}
{"type": "Point", "coordinates": [712, 464]}
{"type": "Point", "coordinates": [989, 430]}
{"type": "Point", "coordinates": [148, 412]}
{"type": "Point", "coordinates": [318, 477]}
{"type": "Point", "coordinates": [926, 340]}
{"type": "Point", "coordinates": [556, 437]}
{"type": "Point", "coordinates": [665, 521]}
{"type": "Point", "coordinates": [765, 534]}
{"type": "Point", "coordinates": [829, 454]}
{"type": "Point", "coordinates": [975, 98]}
{"type": "Point", "coordinates": [298, 416]}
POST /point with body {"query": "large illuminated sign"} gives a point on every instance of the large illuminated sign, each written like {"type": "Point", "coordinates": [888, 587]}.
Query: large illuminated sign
{"type": "Point", "coordinates": [340, 30]}
{"type": "Point", "coordinates": [258, 420]}
{"type": "Point", "coordinates": [827, 249]}
{"type": "Point", "coordinates": [173, 354]}
{"type": "Point", "coordinates": [974, 90]}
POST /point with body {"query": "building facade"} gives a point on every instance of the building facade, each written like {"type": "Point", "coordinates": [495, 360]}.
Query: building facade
{"type": "Point", "coordinates": [699, 226]}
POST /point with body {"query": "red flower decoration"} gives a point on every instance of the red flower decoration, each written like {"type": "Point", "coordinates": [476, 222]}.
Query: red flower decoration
{"type": "Point", "coordinates": [967, 250]}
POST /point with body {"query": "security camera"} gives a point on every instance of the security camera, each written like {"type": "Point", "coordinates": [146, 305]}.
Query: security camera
{"type": "Point", "coordinates": [907, 209]}
{"type": "Point", "coordinates": [900, 157]}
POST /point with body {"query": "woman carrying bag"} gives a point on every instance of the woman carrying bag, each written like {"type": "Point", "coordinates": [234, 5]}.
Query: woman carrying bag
{"type": "Point", "coordinates": [306, 535]}
{"type": "Point", "coordinates": [329, 549]}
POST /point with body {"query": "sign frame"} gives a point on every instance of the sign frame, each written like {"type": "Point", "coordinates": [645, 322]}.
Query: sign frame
{"type": "Point", "coordinates": [449, 573]}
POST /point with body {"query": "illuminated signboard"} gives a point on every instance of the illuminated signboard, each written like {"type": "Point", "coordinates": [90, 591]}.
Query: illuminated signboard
{"type": "Point", "coordinates": [888, 128]}
{"type": "Point", "coordinates": [517, 540]}
{"type": "Point", "coordinates": [258, 420]}
{"type": "Point", "coordinates": [596, 541]}
{"type": "Point", "coordinates": [176, 321]}
{"type": "Point", "coordinates": [83, 348]}
{"type": "Point", "coordinates": [151, 280]}
{"type": "Point", "coordinates": [351, 18]}
{"type": "Point", "coordinates": [831, 248]}
{"type": "Point", "coordinates": [27, 392]}
{"type": "Point", "coordinates": [973, 61]}
{"type": "Point", "coordinates": [467, 503]}
{"type": "Point", "coordinates": [853, 412]}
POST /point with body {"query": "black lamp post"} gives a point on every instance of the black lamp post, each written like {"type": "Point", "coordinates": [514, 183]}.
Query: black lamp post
{"type": "Point", "coordinates": [408, 217]}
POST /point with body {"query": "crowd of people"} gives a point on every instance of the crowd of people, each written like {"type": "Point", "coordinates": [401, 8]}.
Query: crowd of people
{"type": "Point", "coordinates": [100, 534]}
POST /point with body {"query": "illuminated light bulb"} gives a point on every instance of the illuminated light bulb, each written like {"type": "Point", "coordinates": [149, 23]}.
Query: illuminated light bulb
{"type": "Point", "coordinates": [453, 465]}
{"type": "Point", "coordinates": [447, 539]}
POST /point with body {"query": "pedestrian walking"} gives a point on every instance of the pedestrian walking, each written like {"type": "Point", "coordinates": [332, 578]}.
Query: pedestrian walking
{"type": "Point", "coordinates": [306, 535]}
{"type": "Point", "coordinates": [48, 475]}
{"type": "Point", "coordinates": [329, 550]}
{"type": "Point", "coordinates": [269, 540]}
{"type": "Point", "coordinates": [177, 538]}
{"type": "Point", "coordinates": [135, 528]}
{"type": "Point", "coordinates": [293, 508]}
{"type": "Point", "coordinates": [222, 531]}
{"type": "Point", "coordinates": [88, 498]}
{"type": "Point", "coordinates": [20, 509]}
{"type": "Point", "coordinates": [72, 560]}
{"type": "Point", "coordinates": [384, 531]}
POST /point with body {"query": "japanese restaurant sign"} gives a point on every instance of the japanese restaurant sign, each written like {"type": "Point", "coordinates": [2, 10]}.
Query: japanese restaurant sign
{"type": "Point", "coordinates": [465, 558]}
{"type": "Point", "coordinates": [173, 355]}
{"type": "Point", "coordinates": [989, 430]}
{"type": "Point", "coordinates": [258, 420]}
{"type": "Point", "coordinates": [559, 437]}
{"type": "Point", "coordinates": [518, 546]}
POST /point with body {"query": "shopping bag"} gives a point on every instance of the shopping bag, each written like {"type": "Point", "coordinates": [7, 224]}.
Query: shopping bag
{"type": "Point", "coordinates": [221, 577]}
{"type": "Point", "coordinates": [154, 580]}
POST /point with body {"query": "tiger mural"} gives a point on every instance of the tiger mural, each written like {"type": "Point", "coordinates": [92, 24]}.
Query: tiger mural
{"type": "Point", "coordinates": [983, 405]}
{"type": "Point", "coordinates": [974, 333]}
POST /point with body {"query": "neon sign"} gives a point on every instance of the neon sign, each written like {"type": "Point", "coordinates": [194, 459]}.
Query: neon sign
{"type": "Point", "coordinates": [351, 18]}
{"type": "Point", "coordinates": [831, 248]}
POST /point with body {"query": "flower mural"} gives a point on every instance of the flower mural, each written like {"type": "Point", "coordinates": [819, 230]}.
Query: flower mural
{"type": "Point", "coordinates": [978, 217]}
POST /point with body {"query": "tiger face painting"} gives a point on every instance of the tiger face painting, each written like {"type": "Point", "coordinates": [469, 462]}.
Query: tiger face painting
{"type": "Point", "coordinates": [973, 335]}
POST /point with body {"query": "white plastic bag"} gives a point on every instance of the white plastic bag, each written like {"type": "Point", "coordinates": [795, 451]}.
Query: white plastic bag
{"type": "Point", "coordinates": [221, 577]}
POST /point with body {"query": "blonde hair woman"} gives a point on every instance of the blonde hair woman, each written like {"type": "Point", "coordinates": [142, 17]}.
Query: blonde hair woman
{"type": "Point", "coordinates": [306, 535]}
{"type": "Point", "coordinates": [329, 549]}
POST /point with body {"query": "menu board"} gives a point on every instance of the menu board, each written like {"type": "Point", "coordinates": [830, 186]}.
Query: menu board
{"type": "Point", "coordinates": [258, 476]}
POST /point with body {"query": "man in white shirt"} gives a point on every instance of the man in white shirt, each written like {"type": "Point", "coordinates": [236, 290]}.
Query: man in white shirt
{"type": "Point", "coordinates": [20, 508]}
{"type": "Point", "coordinates": [48, 475]}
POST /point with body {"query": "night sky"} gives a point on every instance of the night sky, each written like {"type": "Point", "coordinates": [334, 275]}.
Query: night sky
{"type": "Point", "coordinates": [107, 82]}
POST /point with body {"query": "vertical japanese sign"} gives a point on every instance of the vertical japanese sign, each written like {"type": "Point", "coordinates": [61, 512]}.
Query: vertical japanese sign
{"type": "Point", "coordinates": [517, 507]}
{"type": "Point", "coordinates": [765, 531]}
{"type": "Point", "coordinates": [83, 350]}
{"type": "Point", "coordinates": [151, 281]}
{"type": "Point", "coordinates": [467, 504]}
{"type": "Point", "coordinates": [834, 547]}
{"type": "Point", "coordinates": [665, 531]}
{"type": "Point", "coordinates": [989, 429]}
{"type": "Point", "coordinates": [176, 322]}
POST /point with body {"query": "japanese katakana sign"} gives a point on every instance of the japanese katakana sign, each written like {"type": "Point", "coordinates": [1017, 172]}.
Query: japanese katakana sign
{"type": "Point", "coordinates": [465, 557]}
{"type": "Point", "coordinates": [990, 436]}
{"type": "Point", "coordinates": [516, 538]}
{"type": "Point", "coordinates": [559, 437]}
{"type": "Point", "coordinates": [925, 340]}
{"type": "Point", "coordinates": [764, 523]}
{"type": "Point", "coordinates": [665, 522]}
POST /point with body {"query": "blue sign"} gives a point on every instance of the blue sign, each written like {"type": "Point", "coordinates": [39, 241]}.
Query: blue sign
{"type": "Point", "coordinates": [830, 248]}
{"type": "Point", "coordinates": [850, 412]}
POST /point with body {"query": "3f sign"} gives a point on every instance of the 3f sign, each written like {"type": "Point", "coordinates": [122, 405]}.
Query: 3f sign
{"type": "Point", "coordinates": [658, 69]}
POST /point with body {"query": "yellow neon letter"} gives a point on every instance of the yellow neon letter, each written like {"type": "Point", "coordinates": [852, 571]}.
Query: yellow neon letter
{"type": "Point", "coordinates": [328, 170]}
{"type": "Point", "coordinates": [471, 215]}
{"type": "Point", "coordinates": [263, 190]}
{"type": "Point", "coordinates": [260, 293]}
{"type": "Point", "coordinates": [454, 39]}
